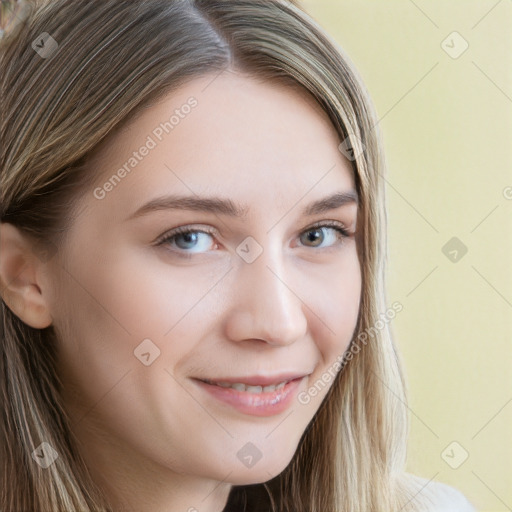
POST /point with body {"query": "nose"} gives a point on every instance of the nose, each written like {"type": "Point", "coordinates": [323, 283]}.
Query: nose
{"type": "Point", "coordinates": [265, 305]}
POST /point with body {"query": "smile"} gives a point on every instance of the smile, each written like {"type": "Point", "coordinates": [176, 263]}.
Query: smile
{"type": "Point", "coordinates": [267, 400]}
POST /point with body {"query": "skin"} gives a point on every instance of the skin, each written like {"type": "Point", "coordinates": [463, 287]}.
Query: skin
{"type": "Point", "coordinates": [153, 439]}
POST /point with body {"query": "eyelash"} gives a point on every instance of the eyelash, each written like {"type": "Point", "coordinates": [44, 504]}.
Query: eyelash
{"type": "Point", "coordinates": [183, 230]}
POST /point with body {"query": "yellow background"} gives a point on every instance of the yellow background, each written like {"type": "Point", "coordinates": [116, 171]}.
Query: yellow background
{"type": "Point", "coordinates": [447, 130]}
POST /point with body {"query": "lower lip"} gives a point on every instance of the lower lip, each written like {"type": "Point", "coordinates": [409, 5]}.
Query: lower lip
{"type": "Point", "coordinates": [255, 404]}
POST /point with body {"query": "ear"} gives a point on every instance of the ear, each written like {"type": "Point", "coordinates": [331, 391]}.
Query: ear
{"type": "Point", "coordinates": [20, 269]}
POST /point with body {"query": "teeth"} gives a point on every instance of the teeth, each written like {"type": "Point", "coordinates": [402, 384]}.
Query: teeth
{"type": "Point", "coordinates": [250, 389]}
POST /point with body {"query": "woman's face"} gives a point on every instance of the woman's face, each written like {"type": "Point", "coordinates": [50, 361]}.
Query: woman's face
{"type": "Point", "coordinates": [264, 295]}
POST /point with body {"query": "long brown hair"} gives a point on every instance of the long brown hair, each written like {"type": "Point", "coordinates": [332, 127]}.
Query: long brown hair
{"type": "Point", "coordinates": [112, 59]}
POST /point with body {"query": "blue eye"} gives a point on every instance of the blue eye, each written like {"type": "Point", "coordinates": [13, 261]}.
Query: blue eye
{"type": "Point", "coordinates": [183, 240]}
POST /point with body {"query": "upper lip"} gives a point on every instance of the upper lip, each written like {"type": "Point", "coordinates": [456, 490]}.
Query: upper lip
{"type": "Point", "coordinates": [258, 380]}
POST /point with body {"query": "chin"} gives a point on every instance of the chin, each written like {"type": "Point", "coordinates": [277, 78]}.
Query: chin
{"type": "Point", "coordinates": [258, 474]}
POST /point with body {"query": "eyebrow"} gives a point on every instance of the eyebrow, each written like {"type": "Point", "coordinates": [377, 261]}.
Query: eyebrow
{"type": "Point", "coordinates": [218, 205]}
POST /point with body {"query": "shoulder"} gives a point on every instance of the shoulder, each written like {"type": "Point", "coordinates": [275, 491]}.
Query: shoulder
{"type": "Point", "coordinates": [439, 497]}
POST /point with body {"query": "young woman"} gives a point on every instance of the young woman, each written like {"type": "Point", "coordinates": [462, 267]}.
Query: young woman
{"type": "Point", "coordinates": [192, 257]}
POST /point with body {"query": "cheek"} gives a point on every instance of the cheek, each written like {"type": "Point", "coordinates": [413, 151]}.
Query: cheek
{"type": "Point", "coordinates": [108, 312]}
{"type": "Point", "coordinates": [102, 317]}
{"type": "Point", "coordinates": [332, 329]}
{"type": "Point", "coordinates": [336, 303]}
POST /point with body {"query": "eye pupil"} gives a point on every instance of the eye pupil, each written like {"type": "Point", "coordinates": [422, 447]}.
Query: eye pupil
{"type": "Point", "coordinates": [189, 237]}
{"type": "Point", "coordinates": [315, 236]}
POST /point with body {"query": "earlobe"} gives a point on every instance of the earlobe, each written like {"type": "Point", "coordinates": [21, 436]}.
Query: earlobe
{"type": "Point", "coordinates": [19, 285]}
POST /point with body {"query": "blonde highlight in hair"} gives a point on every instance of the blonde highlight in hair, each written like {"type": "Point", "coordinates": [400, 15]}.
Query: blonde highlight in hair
{"type": "Point", "coordinates": [114, 59]}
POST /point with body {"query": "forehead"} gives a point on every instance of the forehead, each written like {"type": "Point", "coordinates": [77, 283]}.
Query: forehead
{"type": "Point", "coordinates": [226, 134]}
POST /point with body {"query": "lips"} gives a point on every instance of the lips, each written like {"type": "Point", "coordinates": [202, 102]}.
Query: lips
{"type": "Point", "coordinates": [251, 400]}
{"type": "Point", "coordinates": [255, 380]}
